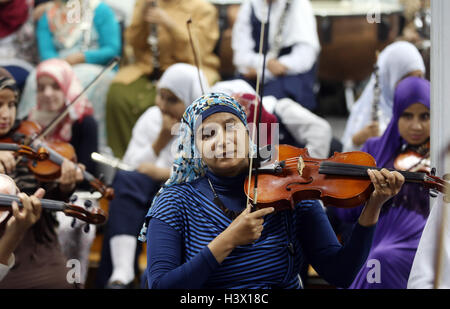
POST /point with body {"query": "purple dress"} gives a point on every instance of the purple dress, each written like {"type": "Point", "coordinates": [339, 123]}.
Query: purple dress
{"type": "Point", "coordinates": [395, 241]}
{"type": "Point", "coordinates": [402, 218]}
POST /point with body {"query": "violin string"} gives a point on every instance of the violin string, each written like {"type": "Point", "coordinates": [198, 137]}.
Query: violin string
{"type": "Point", "coordinates": [363, 172]}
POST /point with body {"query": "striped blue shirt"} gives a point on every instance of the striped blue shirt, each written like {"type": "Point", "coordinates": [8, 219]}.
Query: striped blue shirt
{"type": "Point", "coordinates": [188, 220]}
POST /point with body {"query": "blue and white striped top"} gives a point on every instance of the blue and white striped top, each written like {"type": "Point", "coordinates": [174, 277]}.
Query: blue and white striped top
{"type": "Point", "coordinates": [184, 220]}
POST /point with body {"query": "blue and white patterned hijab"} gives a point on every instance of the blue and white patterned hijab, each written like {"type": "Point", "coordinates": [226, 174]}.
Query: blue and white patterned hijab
{"type": "Point", "coordinates": [188, 165]}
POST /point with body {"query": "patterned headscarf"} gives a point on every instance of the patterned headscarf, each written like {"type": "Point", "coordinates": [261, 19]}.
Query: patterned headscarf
{"type": "Point", "coordinates": [7, 81]}
{"type": "Point", "coordinates": [188, 164]}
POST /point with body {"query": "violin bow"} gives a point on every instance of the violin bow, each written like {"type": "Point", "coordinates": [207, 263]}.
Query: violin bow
{"type": "Point", "coordinates": [196, 61]}
{"type": "Point", "coordinates": [65, 111]}
{"type": "Point", "coordinates": [260, 76]}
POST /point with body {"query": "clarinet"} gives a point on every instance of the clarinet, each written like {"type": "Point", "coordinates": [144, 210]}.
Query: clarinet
{"type": "Point", "coordinates": [152, 40]}
{"type": "Point", "coordinates": [275, 49]}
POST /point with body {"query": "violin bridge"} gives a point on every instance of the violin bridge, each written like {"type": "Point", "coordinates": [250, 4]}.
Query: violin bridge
{"type": "Point", "coordinates": [300, 166]}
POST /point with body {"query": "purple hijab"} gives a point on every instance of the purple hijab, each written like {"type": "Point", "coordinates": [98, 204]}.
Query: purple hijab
{"type": "Point", "coordinates": [409, 91]}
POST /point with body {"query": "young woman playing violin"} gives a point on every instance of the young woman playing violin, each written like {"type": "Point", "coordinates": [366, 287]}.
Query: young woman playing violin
{"type": "Point", "coordinates": [150, 152]}
{"type": "Point", "coordinates": [403, 218]}
{"type": "Point", "coordinates": [202, 234]}
{"type": "Point", "coordinates": [39, 261]}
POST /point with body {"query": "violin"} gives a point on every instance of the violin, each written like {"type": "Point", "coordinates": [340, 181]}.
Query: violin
{"type": "Point", "coordinates": [414, 159]}
{"type": "Point", "coordinates": [95, 216]}
{"type": "Point", "coordinates": [51, 154]}
{"type": "Point", "coordinates": [341, 181]}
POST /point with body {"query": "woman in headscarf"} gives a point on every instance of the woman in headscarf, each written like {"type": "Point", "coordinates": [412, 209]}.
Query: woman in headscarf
{"type": "Point", "coordinates": [297, 125]}
{"type": "Point", "coordinates": [293, 48]}
{"type": "Point", "coordinates": [396, 62]}
{"type": "Point", "coordinates": [87, 35]}
{"type": "Point", "coordinates": [202, 234]}
{"type": "Point", "coordinates": [150, 152]}
{"type": "Point", "coordinates": [58, 86]}
{"type": "Point", "coordinates": [403, 218]}
{"type": "Point", "coordinates": [39, 260]}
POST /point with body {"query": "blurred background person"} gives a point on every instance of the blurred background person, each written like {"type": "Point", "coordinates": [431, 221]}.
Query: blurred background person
{"type": "Point", "coordinates": [158, 37]}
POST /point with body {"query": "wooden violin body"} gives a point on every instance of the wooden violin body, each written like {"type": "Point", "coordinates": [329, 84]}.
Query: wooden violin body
{"type": "Point", "coordinates": [301, 180]}
{"type": "Point", "coordinates": [341, 181]}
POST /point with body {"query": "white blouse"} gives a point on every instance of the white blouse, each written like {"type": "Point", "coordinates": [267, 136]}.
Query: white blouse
{"type": "Point", "coordinates": [299, 31]}
{"type": "Point", "coordinates": [145, 132]}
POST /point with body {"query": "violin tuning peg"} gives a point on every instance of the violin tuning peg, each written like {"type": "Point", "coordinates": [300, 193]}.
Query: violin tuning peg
{"type": "Point", "coordinates": [87, 203]}
{"type": "Point", "coordinates": [433, 171]}
{"type": "Point", "coordinates": [86, 228]}
{"type": "Point", "coordinates": [101, 177]}
{"type": "Point", "coordinates": [74, 221]}
{"type": "Point", "coordinates": [73, 198]}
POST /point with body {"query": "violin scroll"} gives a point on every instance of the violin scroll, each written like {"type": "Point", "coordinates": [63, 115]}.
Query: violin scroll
{"type": "Point", "coordinates": [40, 154]}
{"type": "Point", "coordinates": [95, 216]}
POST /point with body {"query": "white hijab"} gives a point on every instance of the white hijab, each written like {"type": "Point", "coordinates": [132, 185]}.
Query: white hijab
{"type": "Point", "coordinates": [232, 87]}
{"type": "Point", "coordinates": [394, 62]}
{"type": "Point", "coordinates": [183, 80]}
{"type": "Point", "coordinates": [300, 23]}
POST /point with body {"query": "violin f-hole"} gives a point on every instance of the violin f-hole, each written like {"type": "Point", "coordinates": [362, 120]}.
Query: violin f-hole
{"type": "Point", "coordinates": [307, 181]}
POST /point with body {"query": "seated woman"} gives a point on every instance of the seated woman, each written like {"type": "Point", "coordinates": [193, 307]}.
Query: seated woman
{"type": "Point", "coordinates": [396, 62]}
{"type": "Point", "coordinates": [403, 218]}
{"type": "Point", "coordinates": [150, 151]}
{"type": "Point", "coordinates": [297, 125]}
{"type": "Point", "coordinates": [39, 260]}
{"type": "Point", "coordinates": [13, 226]}
{"type": "Point", "coordinates": [201, 233]}
{"type": "Point", "coordinates": [134, 88]}
{"type": "Point", "coordinates": [293, 48]}
{"type": "Point", "coordinates": [88, 43]}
